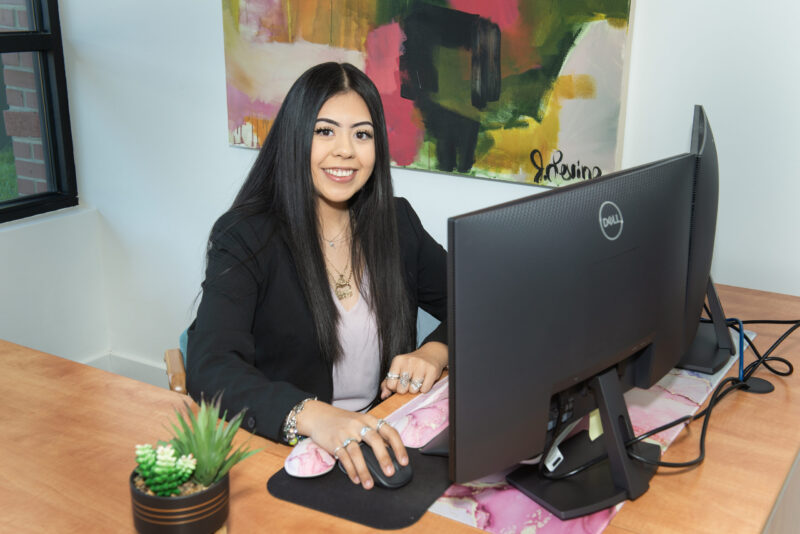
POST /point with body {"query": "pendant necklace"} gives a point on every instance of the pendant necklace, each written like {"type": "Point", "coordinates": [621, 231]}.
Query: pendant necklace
{"type": "Point", "coordinates": [332, 242]}
{"type": "Point", "coordinates": [342, 287]}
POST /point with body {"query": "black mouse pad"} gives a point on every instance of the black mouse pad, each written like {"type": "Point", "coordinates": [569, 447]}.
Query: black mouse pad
{"type": "Point", "coordinates": [334, 493]}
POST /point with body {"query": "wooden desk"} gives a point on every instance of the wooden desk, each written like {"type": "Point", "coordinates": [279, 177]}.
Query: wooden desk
{"type": "Point", "coordinates": [67, 437]}
{"type": "Point", "coordinates": [751, 445]}
{"type": "Point", "coordinates": [67, 433]}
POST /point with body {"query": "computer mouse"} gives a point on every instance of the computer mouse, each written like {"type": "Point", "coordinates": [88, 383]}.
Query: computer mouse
{"type": "Point", "coordinates": [402, 473]}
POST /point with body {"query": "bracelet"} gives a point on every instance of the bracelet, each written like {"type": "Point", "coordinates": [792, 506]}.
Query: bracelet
{"type": "Point", "coordinates": [290, 435]}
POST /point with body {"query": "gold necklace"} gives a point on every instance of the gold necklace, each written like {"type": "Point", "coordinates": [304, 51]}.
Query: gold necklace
{"type": "Point", "coordinates": [342, 287]}
{"type": "Point", "coordinates": [338, 237]}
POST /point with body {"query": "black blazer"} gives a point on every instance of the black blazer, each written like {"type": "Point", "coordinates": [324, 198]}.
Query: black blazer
{"type": "Point", "coordinates": [254, 336]}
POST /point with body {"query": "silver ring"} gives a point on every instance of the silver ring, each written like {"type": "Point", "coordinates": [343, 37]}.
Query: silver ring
{"type": "Point", "coordinates": [381, 422]}
{"type": "Point", "coordinates": [364, 430]}
{"type": "Point", "coordinates": [416, 384]}
{"type": "Point", "coordinates": [347, 442]}
{"type": "Point", "coordinates": [404, 379]}
{"type": "Point", "coordinates": [392, 376]}
{"type": "Point", "coordinates": [334, 452]}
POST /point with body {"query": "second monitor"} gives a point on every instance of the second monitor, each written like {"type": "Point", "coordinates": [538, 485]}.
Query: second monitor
{"type": "Point", "coordinates": [560, 302]}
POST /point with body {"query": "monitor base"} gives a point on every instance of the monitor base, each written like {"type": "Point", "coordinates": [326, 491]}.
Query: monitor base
{"type": "Point", "coordinates": [704, 354]}
{"type": "Point", "coordinates": [587, 492]}
{"type": "Point", "coordinates": [712, 347]}
{"type": "Point", "coordinates": [613, 480]}
{"type": "Point", "coordinates": [758, 385]}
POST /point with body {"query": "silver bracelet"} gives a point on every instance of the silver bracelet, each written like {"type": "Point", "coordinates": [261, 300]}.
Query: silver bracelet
{"type": "Point", "coordinates": [290, 435]}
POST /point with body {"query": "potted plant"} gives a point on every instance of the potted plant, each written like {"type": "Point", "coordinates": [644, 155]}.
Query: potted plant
{"type": "Point", "coordinates": [182, 485]}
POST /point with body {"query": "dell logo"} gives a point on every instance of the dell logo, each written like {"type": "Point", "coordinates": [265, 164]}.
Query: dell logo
{"type": "Point", "coordinates": [610, 220]}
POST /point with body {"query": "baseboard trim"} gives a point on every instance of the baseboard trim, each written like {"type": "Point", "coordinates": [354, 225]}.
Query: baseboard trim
{"type": "Point", "coordinates": [132, 368]}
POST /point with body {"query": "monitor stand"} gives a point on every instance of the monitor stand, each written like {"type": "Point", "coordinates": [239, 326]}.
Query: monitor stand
{"type": "Point", "coordinates": [712, 346]}
{"type": "Point", "coordinates": [611, 481]}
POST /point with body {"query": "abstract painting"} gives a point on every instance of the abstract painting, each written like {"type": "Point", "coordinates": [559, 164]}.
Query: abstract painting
{"type": "Point", "coordinates": [529, 91]}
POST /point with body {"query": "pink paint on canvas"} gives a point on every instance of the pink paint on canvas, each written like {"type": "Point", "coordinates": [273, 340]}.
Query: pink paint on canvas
{"type": "Point", "coordinates": [504, 13]}
{"type": "Point", "coordinates": [240, 106]}
{"type": "Point", "coordinates": [257, 17]}
{"type": "Point", "coordinates": [403, 122]}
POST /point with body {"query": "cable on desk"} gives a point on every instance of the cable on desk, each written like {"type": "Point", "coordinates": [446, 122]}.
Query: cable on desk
{"type": "Point", "coordinates": [767, 357]}
{"type": "Point", "coordinates": [720, 392]}
{"type": "Point", "coordinates": [715, 398]}
{"type": "Point", "coordinates": [731, 321]}
{"type": "Point", "coordinates": [552, 443]}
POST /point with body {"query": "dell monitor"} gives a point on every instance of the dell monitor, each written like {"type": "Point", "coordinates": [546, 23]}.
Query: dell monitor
{"type": "Point", "coordinates": [711, 345]}
{"type": "Point", "coordinates": [560, 302]}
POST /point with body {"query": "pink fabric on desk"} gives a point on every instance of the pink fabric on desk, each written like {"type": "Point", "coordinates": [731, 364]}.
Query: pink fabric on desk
{"type": "Point", "coordinates": [490, 503]}
{"type": "Point", "coordinates": [308, 459]}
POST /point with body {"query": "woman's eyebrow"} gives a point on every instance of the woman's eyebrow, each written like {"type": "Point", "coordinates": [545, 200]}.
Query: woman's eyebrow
{"type": "Point", "coordinates": [331, 121]}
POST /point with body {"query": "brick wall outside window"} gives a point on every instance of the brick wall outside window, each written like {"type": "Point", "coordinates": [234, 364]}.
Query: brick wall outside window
{"type": "Point", "coordinates": [22, 121]}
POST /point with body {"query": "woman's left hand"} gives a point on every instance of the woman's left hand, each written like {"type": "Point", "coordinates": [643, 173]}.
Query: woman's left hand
{"type": "Point", "coordinates": [416, 371]}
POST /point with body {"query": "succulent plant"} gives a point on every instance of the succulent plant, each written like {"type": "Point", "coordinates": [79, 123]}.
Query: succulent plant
{"type": "Point", "coordinates": [201, 448]}
{"type": "Point", "coordinates": [163, 472]}
{"type": "Point", "coordinates": [209, 439]}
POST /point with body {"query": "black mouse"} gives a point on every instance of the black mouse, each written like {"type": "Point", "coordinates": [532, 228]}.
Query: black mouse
{"type": "Point", "coordinates": [402, 473]}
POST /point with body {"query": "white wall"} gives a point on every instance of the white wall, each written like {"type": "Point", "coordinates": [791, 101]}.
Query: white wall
{"type": "Point", "coordinates": [739, 61]}
{"type": "Point", "coordinates": [52, 284]}
{"type": "Point", "coordinates": [147, 100]}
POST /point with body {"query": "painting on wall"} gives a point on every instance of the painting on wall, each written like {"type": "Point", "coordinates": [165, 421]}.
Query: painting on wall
{"type": "Point", "coordinates": [528, 91]}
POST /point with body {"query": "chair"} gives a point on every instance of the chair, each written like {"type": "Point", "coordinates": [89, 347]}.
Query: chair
{"type": "Point", "coordinates": [176, 364]}
{"type": "Point", "coordinates": [176, 370]}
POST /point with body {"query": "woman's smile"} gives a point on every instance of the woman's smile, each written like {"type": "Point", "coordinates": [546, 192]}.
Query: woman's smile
{"type": "Point", "coordinates": [342, 149]}
{"type": "Point", "coordinates": [340, 175]}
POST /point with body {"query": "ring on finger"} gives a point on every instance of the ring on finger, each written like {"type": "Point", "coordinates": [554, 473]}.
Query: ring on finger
{"type": "Point", "coordinates": [347, 442]}
{"type": "Point", "coordinates": [404, 379]}
{"type": "Point", "coordinates": [392, 376]}
{"type": "Point", "coordinates": [335, 455]}
{"type": "Point", "coordinates": [381, 422]}
{"type": "Point", "coordinates": [416, 384]}
{"type": "Point", "coordinates": [364, 430]}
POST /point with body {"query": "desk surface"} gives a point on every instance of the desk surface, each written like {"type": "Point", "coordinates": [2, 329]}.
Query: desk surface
{"type": "Point", "coordinates": [68, 431]}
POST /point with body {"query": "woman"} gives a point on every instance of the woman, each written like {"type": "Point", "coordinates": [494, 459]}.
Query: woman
{"type": "Point", "coordinates": [314, 277]}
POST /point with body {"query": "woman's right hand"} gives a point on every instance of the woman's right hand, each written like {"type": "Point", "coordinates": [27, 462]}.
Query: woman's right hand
{"type": "Point", "coordinates": [331, 428]}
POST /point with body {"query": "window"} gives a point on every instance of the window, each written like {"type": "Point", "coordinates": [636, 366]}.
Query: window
{"type": "Point", "coordinates": [37, 169]}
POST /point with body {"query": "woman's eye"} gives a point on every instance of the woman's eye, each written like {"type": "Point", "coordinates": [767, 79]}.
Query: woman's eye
{"type": "Point", "coordinates": [363, 135]}
{"type": "Point", "coordinates": [323, 131]}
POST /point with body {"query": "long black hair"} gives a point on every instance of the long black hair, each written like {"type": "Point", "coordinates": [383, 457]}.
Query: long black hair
{"type": "Point", "coordinates": [280, 182]}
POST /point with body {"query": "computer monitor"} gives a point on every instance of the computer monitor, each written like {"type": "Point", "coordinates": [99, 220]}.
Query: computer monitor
{"type": "Point", "coordinates": [710, 344]}
{"type": "Point", "coordinates": [560, 302]}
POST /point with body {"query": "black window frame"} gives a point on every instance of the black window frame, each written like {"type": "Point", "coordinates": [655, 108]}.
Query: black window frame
{"type": "Point", "coordinates": [53, 113]}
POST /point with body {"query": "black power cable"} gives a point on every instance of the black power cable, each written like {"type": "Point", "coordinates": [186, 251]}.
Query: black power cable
{"type": "Point", "coordinates": [721, 391]}
{"type": "Point", "coordinates": [728, 385]}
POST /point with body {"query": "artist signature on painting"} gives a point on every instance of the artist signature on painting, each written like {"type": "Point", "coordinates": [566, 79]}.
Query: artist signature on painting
{"type": "Point", "coordinates": [556, 168]}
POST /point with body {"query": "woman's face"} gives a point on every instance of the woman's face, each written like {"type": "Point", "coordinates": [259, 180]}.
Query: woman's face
{"type": "Point", "coordinates": [343, 149]}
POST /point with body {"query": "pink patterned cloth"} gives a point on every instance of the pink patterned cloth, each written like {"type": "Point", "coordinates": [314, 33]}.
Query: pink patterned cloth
{"type": "Point", "coordinates": [490, 503]}
{"type": "Point", "coordinates": [308, 459]}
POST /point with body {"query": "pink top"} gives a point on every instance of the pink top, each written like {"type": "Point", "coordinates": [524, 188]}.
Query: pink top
{"type": "Point", "coordinates": [356, 375]}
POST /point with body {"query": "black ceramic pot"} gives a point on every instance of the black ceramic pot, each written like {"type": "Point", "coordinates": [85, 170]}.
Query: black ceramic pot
{"type": "Point", "coordinates": [200, 513]}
